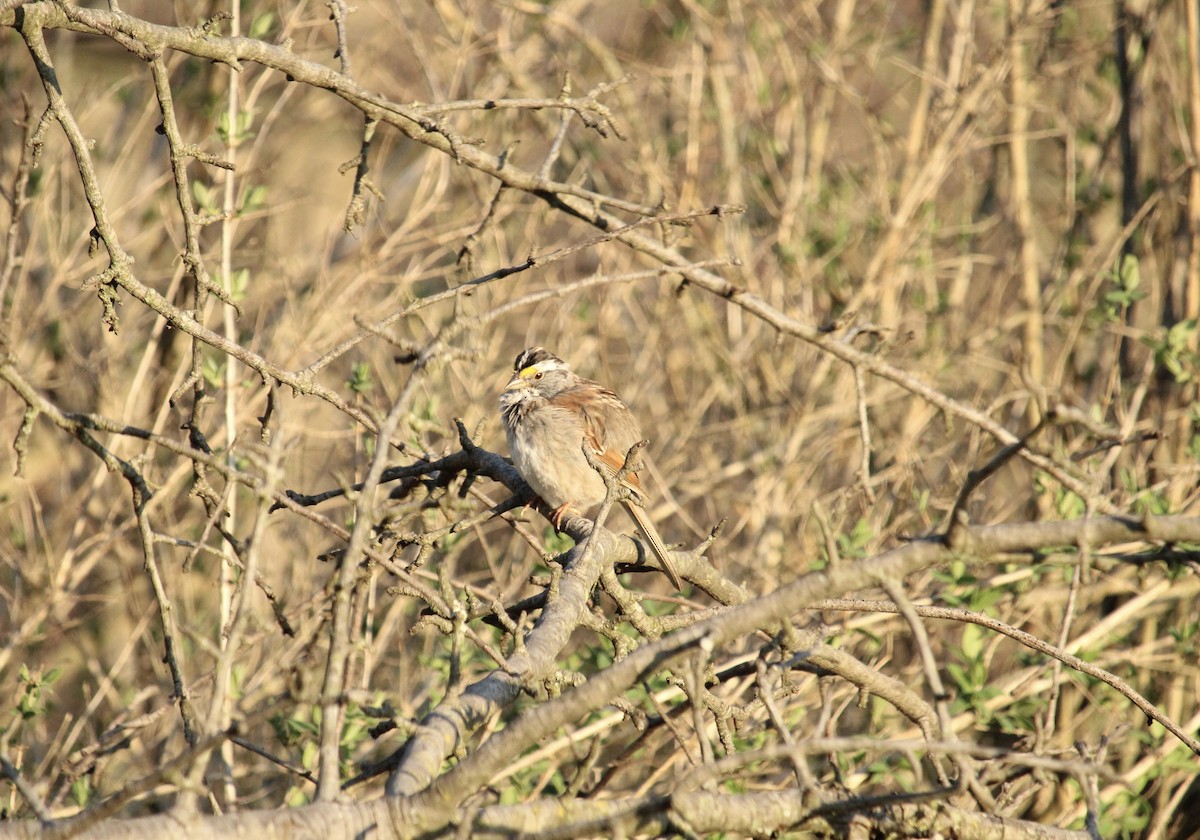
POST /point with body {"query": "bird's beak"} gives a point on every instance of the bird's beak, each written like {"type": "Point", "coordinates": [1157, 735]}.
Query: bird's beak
{"type": "Point", "coordinates": [516, 383]}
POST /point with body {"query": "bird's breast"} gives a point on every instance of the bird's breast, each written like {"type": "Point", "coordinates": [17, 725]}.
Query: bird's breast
{"type": "Point", "coordinates": [547, 452]}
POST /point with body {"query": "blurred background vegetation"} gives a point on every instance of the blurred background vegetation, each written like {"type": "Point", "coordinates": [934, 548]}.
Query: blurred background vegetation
{"type": "Point", "coordinates": [1000, 198]}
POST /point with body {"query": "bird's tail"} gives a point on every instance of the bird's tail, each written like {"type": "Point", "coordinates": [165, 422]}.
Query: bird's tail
{"type": "Point", "coordinates": [656, 543]}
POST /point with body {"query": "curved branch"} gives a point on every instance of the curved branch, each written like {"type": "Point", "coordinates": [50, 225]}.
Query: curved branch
{"type": "Point", "coordinates": [1033, 643]}
{"type": "Point", "coordinates": [976, 545]}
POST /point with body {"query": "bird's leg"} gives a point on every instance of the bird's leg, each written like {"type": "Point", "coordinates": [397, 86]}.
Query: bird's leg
{"type": "Point", "coordinates": [556, 515]}
{"type": "Point", "coordinates": [535, 499]}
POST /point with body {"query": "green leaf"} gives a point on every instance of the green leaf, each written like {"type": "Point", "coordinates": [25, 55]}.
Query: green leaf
{"type": "Point", "coordinates": [205, 199]}
{"type": "Point", "coordinates": [254, 198]}
{"type": "Point", "coordinates": [1129, 273]}
{"type": "Point", "coordinates": [972, 641]}
{"type": "Point", "coordinates": [81, 791]}
{"type": "Point", "coordinates": [213, 371]}
{"type": "Point", "coordinates": [238, 284]}
{"type": "Point", "coordinates": [360, 381]}
{"type": "Point", "coordinates": [261, 25]}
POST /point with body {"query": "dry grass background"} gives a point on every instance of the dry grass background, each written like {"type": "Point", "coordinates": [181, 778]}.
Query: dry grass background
{"type": "Point", "coordinates": [872, 146]}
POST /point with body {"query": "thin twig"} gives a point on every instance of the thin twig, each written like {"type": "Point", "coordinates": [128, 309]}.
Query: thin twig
{"type": "Point", "coordinates": [1029, 640]}
{"type": "Point", "coordinates": [12, 774]}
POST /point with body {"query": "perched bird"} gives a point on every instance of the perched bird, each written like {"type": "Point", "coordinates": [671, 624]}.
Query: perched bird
{"type": "Point", "coordinates": [549, 411]}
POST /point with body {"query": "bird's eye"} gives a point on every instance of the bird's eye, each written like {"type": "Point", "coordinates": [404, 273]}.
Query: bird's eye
{"type": "Point", "coordinates": [538, 375]}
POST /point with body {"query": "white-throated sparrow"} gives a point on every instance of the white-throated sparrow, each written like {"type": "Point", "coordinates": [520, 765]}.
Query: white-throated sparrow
{"type": "Point", "coordinates": [548, 412]}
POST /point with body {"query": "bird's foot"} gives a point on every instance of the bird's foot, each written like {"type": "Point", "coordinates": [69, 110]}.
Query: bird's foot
{"type": "Point", "coordinates": [559, 513]}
